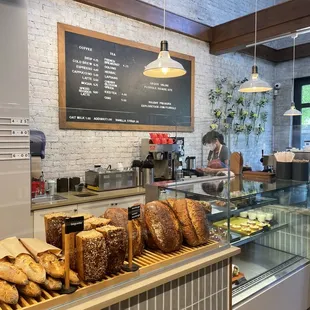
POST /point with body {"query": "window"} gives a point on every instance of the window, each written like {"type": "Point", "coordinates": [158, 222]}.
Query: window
{"type": "Point", "coordinates": [301, 129]}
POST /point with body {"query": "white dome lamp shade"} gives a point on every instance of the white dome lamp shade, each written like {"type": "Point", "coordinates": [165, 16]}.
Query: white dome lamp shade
{"type": "Point", "coordinates": [293, 111]}
{"type": "Point", "coordinates": [255, 84]}
{"type": "Point", "coordinates": [164, 66]}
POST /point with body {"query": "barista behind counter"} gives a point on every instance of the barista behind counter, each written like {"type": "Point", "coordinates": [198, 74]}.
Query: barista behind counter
{"type": "Point", "coordinates": [219, 154]}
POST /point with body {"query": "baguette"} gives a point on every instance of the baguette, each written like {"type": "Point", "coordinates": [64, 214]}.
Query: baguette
{"type": "Point", "coordinates": [31, 289]}
{"type": "Point", "coordinates": [8, 293]}
{"type": "Point", "coordinates": [34, 271]}
{"type": "Point", "coordinates": [73, 276]}
{"type": "Point", "coordinates": [52, 265]}
{"type": "Point", "coordinates": [52, 284]}
{"type": "Point", "coordinates": [11, 273]}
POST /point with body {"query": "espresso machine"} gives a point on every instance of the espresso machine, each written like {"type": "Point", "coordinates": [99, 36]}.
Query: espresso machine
{"type": "Point", "coordinates": [167, 158]}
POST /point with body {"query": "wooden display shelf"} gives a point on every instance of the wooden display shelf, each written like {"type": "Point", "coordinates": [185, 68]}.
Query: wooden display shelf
{"type": "Point", "coordinates": [148, 261]}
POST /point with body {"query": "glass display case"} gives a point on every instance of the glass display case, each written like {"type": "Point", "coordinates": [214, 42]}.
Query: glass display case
{"type": "Point", "coordinates": [269, 221]}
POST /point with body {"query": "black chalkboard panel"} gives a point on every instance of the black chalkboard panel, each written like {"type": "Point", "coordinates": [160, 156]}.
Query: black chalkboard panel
{"type": "Point", "coordinates": [102, 86]}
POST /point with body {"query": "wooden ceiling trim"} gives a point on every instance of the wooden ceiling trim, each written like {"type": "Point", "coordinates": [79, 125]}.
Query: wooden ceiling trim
{"type": "Point", "coordinates": [150, 14]}
{"type": "Point", "coordinates": [272, 22]}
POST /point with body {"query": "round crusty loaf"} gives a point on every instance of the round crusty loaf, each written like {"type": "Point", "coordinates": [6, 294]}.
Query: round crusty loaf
{"type": "Point", "coordinates": [170, 202]}
{"type": "Point", "coordinates": [119, 218]}
{"type": "Point", "coordinates": [163, 227]}
{"type": "Point", "coordinates": [193, 221]}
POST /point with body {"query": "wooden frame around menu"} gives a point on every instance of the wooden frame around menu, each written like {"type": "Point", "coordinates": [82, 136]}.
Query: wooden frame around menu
{"type": "Point", "coordinates": [64, 124]}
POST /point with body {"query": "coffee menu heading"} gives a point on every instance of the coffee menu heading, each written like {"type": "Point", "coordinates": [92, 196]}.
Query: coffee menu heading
{"type": "Point", "coordinates": [102, 86]}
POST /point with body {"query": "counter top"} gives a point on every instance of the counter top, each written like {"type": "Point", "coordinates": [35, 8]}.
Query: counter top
{"type": "Point", "coordinates": [99, 196]}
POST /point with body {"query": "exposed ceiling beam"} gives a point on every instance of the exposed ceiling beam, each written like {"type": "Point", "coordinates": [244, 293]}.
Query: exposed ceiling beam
{"type": "Point", "coordinates": [150, 14]}
{"type": "Point", "coordinates": [263, 52]}
{"type": "Point", "coordinates": [283, 18]}
{"type": "Point", "coordinates": [286, 54]}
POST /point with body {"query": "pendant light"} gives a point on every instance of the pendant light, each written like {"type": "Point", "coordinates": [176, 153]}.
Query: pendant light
{"type": "Point", "coordinates": [164, 66]}
{"type": "Point", "coordinates": [255, 84]}
{"type": "Point", "coordinates": [293, 111]}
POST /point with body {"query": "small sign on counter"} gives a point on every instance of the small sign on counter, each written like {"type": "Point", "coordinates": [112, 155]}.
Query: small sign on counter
{"type": "Point", "coordinates": [134, 212]}
{"type": "Point", "coordinates": [74, 224]}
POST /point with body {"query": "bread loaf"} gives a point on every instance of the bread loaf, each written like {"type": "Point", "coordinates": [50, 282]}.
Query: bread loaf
{"type": "Point", "coordinates": [97, 222]}
{"type": "Point", "coordinates": [53, 228]}
{"type": "Point", "coordinates": [12, 274]}
{"type": "Point", "coordinates": [193, 221]}
{"type": "Point", "coordinates": [52, 284]}
{"type": "Point", "coordinates": [34, 271]}
{"type": "Point", "coordinates": [170, 202]}
{"type": "Point", "coordinates": [119, 218]}
{"type": "Point", "coordinates": [91, 255]}
{"type": "Point", "coordinates": [115, 238]}
{"type": "Point", "coordinates": [73, 276]}
{"type": "Point", "coordinates": [163, 227]}
{"type": "Point", "coordinates": [142, 222]}
{"type": "Point", "coordinates": [8, 293]}
{"type": "Point", "coordinates": [31, 289]}
{"type": "Point", "coordinates": [52, 265]}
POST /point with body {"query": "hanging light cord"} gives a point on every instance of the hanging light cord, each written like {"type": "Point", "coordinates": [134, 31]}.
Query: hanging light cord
{"type": "Point", "coordinates": [294, 56]}
{"type": "Point", "coordinates": [164, 19]}
{"type": "Point", "coordinates": [255, 37]}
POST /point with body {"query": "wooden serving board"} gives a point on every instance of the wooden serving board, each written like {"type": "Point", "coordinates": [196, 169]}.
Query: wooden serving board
{"type": "Point", "coordinates": [148, 261]}
{"type": "Point", "coordinates": [259, 176]}
{"type": "Point", "coordinates": [238, 221]}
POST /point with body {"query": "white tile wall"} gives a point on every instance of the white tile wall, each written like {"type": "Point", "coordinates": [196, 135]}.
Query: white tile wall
{"type": "Point", "coordinates": [71, 152]}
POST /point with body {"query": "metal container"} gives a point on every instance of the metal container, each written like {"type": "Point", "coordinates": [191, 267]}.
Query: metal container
{"type": "Point", "coordinates": [139, 175]}
{"type": "Point", "coordinates": [109, 179]}
{"type": "Point", "coordinates": [148, 176]}
{"type": "Point", "coordinates": [284, 171]}
{"type": "Point", "coordinates": [190, 162]}
{"type": "Point", "coordinates": [300, 171]}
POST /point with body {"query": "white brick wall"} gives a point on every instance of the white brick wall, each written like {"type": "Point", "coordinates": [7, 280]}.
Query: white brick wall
{"type": "Point", "coordinates": [71, 152]}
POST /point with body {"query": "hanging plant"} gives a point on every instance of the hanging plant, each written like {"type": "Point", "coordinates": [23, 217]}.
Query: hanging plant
{"type": "Point", "coordinates": [253, 117]}
{"type": "Point", "coordinates": [225, 128]}
{"type": "Point", "coordinates": [214, 126]}
{"type": "Point", "coordinates": [258, 131]}
{"type": "Point", "coordinates": [218, 114]}
{"type": "Point", "coordinates": [238, 129]}
{"type": "Point", "coordinates": [231, 113]}
{"type": "Point", "coordinates": [243, 115]}
{"type": "Point", "coordinates": [248, 128]}
{"type": "Point", "coordinates": [264, 117]}
{"type": "Point", "coordinates": [212, 97]}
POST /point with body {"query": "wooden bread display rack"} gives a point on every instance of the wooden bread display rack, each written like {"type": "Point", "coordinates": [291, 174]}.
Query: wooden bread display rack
{"type": "Point", "coordinates": [150, 260]}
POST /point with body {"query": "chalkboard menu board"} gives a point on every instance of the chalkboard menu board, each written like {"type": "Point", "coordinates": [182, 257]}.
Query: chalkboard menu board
{"type": "Point", "coordinates": [102, 86]}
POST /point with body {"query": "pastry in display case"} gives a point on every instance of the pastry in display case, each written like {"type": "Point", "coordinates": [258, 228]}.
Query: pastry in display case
{"type": "Point", "coordinates": [271, 219]}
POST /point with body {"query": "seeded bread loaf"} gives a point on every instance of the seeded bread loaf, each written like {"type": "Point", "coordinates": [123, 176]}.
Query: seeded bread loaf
{"type": "Point", "coordinates": [31, 289]}
{"type": "Point", "coordinates": [115, 238]}
{"type": "Point", "coordinates": [91, 255]}
{"type": "Point", "coordinates": [85, 215]}
{"type": "Point", "coordinates": [8, 293]}
{"type": "Point", "coordinates": [52, 265]}
{"type": "Point", "coordinates": [193, 221]}
{"type": "Point", "coordinates": [97, 222]}
{"type": "Point", "coordinates": [11, 273]}
{"type": "Point", "coordinates": [53, 228]}
{"type": "Point", "coordinates": [34, 271]}
{"type": "Point", "coordinates": [163, 227]}
{"type": "Point", "coordinates": [52, 284]}
{"type": "Point", "coordinates": [119, 218]}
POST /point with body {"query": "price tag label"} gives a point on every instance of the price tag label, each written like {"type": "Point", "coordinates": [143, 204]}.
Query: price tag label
{"type": "Point", "coordinates": [74, 224]}
{"type": "Point", "coordinates": [133, 212]}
